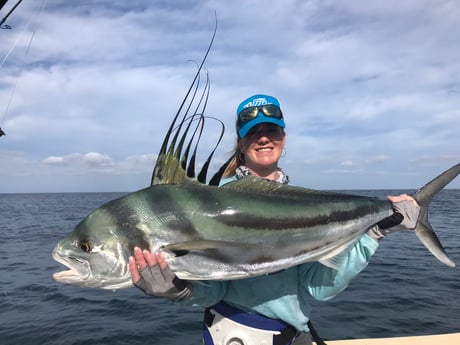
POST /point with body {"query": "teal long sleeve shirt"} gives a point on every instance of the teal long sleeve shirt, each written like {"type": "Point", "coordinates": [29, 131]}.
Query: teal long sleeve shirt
{"type": "Point", "coordinates": [284, 295]}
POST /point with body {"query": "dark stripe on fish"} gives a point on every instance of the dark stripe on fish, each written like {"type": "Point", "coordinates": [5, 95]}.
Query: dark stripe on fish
{"type": "Point", "coordinates": [263, 222]}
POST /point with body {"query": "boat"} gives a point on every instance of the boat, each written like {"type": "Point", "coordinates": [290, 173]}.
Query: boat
{"type": "Point", "coordinates": [444, 339]}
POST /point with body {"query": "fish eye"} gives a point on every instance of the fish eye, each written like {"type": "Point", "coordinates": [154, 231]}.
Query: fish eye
{"type": "Point", "coordinates": [85, 246]}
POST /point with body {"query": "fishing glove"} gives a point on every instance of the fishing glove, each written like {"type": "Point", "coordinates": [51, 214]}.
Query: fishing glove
{"type": "Point", "coordinates": [405, 217]}
{"type": "Point", "coordinates": [163, 283]}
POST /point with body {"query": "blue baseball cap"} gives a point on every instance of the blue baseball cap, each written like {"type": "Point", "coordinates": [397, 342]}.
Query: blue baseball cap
{"type": "Point", "coordinates": [256, 101]}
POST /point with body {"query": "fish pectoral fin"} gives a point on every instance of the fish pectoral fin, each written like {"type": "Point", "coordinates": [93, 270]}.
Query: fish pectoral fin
{"type": "Point", "coordinates": [335, 262]}
{"type": "Point", "coordinates": [338, 257]}
{"type": "Point", "coordinates": [183, 248]}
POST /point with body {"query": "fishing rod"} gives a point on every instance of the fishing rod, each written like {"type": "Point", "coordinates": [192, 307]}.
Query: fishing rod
{"type": "Point", "coordinates": [2, 3]}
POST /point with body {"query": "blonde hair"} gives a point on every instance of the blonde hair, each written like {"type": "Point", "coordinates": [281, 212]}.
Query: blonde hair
{"type": "Point", "coordinates": [237, 159]}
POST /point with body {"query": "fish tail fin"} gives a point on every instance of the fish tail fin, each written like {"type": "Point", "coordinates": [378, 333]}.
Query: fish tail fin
{"type": "Point", "coordinates": [424, 230]}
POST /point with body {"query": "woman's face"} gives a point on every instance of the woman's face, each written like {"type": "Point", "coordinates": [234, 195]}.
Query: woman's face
{"type": "Point", "coordinates": [263, 146]}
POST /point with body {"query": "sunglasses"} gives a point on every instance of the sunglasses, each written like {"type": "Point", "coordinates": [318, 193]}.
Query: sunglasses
{"type": "Point", "coordinates": [250, 113]}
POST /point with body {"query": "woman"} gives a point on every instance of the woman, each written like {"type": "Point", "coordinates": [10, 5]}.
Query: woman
{"type": "Point", "coordinates": [271, 309]}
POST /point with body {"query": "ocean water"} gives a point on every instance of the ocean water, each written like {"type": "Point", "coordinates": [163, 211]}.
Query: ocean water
{"type": "Point", "coordinates": [403, 291]}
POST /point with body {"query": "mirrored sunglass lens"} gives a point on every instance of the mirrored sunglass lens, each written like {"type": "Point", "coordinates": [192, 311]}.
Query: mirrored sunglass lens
{"type": "Point", "coordinates": [248, 113]}
{"type": "Point", "coordinates": [272, 111]}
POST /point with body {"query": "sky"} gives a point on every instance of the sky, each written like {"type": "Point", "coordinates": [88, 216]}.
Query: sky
{"type": "Point", "coordinates": [370, 90]}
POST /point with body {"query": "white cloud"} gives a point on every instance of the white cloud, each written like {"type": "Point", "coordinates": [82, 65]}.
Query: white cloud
{"type": "Point", "coordinates": [53, 160]}
{"type": "Point", "coordinates": [375, 84]}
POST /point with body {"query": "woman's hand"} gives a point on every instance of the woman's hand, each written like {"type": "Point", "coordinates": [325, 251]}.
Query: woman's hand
{"type": "Point", "coordinates": [151, 274]}
{"type": "Point", "coordinates": [406, 206]}
{"type": "Point", "coordinates": [405, 217]}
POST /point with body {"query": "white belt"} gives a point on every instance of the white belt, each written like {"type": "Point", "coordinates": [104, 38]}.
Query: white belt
{"type": "Point", "coordinates": [227, 325]}
{"type": "Point", "coordinates": [228, 332]}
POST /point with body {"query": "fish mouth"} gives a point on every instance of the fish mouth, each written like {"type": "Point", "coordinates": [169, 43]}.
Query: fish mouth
{"type": "Point", "coordinates": [79, 273]}
{"type": "Point", "coordinates": [78, 270]}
